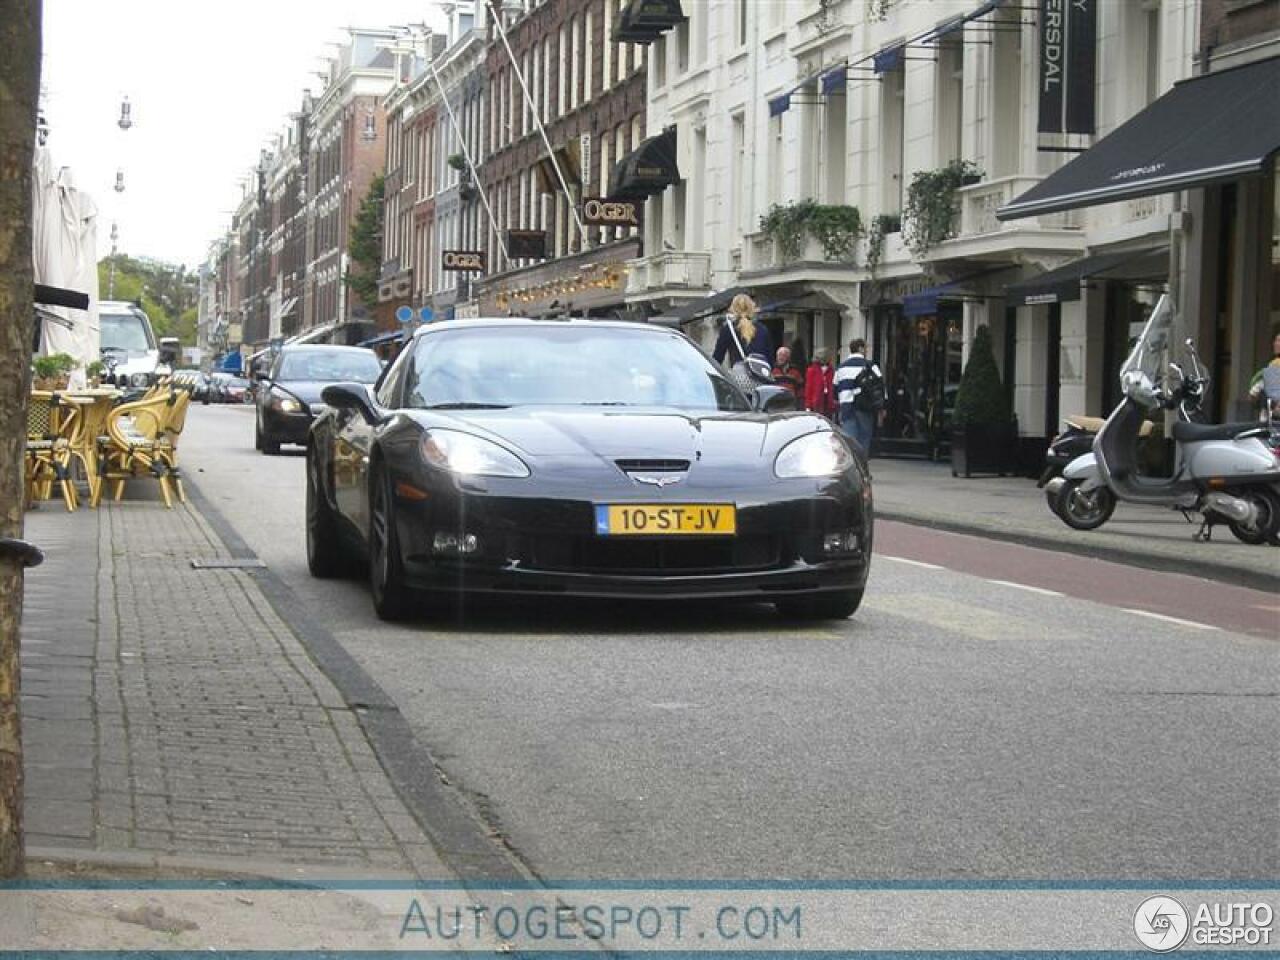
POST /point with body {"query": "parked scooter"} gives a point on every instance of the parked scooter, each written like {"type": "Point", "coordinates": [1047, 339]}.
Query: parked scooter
{"type": "Point", "coordinates": [1225, 472]}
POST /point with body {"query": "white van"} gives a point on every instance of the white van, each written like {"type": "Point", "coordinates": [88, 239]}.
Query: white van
{"type": "Point", "coordinates": [129, 350]}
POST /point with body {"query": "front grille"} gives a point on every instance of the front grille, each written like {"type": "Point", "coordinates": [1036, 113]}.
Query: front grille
{"type": "Point", "coordinates": [656, 466]}
{"type": "Point", "coordinates": [737, 554]}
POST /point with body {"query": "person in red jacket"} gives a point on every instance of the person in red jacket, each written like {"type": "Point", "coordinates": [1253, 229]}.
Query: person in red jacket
{"type": "Point", "coordinates": [819, 384]}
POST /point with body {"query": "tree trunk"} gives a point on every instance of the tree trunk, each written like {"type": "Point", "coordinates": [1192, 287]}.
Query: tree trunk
{"type": "Point", "coordinates": [19, 92]}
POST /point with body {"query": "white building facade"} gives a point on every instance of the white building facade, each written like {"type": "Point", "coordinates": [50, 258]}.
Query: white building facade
{"type": "Point", "coordinates": [813, 109]}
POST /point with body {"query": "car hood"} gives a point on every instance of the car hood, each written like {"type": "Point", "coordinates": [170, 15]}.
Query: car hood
{"type": "Point", "coordinates": [634, 433]}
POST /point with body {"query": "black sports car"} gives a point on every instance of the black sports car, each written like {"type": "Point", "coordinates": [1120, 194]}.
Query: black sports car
{"type": "Point", "coordinates": [582, 458]}
{"type": "Point", "coordinates": [289, 396]}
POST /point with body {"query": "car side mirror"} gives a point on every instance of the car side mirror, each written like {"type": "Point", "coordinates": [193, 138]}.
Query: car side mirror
{"type": "Point", "coordinates": [351, 396]}
{"type": "Point", "coordinates": [770, 399]}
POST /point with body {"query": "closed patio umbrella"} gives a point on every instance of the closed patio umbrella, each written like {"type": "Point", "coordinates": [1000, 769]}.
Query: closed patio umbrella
{"type": "Point", "coordinates": [65, 254]}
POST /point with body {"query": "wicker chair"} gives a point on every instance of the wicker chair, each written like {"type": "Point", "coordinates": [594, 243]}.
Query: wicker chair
{"type": "Point", "coordinates": [135, 445]}
{"type": "Point", "coordinates": [50, 426]}
{"type": "Point", "coordinates": [167, 440]}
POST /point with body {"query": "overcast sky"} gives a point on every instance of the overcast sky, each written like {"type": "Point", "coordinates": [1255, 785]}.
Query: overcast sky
{"type": "Point", "coordinates": [209, 85]}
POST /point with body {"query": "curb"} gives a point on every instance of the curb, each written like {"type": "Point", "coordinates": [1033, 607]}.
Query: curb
{"type": "Point", "coordinates": [461, 841]}
{"type": "Point", "coordinates": [1236, 576]}
{"type": "Point", "coordinates": [292, 874]}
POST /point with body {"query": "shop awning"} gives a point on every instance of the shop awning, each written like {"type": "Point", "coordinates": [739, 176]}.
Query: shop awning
{"type": "Point", "coordinates": [949, 27]}
{"type": "Point", "coordinates": [715, 303]}
{"type": "Point", "coordinates": [890, 58]}
{"type": "Point", "coordinates": [314, 334]}
{"type": "Point", "coordinates": [644, 21]}
{"type": "Point", "coordinates": [395, 336]}
{"type": "Point", "coordinates": [923, 303]}
{"type": "Point", "coordinates": [1209, 129]}
{"type": "Point", "coordinates": [1063, 284]}
{"type": "Point", "coordinates": [648, 169]}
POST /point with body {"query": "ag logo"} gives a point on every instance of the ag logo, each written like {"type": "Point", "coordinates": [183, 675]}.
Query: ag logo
{"type": "Point", "coordinates": [1161, 924]}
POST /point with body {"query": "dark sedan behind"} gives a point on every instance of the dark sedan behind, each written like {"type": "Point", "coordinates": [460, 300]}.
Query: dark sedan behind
{"type": "Point", "coordinates": [289, 396]}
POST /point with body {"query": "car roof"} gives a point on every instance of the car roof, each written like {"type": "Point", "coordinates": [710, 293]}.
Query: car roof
{"type": "Point", "coordinates": [481, 322]}
{"type": "Point", "coordinates": [321, 348]}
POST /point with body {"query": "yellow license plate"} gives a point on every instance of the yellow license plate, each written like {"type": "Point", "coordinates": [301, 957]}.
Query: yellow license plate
{"type": "Point", "coordinates": [665, 519]}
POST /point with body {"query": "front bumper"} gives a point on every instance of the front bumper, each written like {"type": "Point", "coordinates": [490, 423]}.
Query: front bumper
{"type": "Point", "coordinates": [543, 545]}
{"type": "Point", "coordinates": [286, 427]}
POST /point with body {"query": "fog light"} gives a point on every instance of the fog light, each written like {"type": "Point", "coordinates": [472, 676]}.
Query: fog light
{"type": "Point", "coordinates": [842, 541]}
{"type": "Point", "coordinates": [452, 544]}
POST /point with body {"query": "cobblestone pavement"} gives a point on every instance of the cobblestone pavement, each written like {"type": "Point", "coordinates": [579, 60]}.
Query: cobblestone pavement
{"type": "Point", "coordinates": [1012, 507]}
{"type": "Point", "coordinates": [169, 710]}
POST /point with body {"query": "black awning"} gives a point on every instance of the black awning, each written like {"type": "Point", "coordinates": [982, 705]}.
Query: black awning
{"type": "Point", "coordinates": [1063, 284]}
{"type": "Point", "coordinates": [1209, 129]}
{"type": "Point", "coordinates": [644, 21]}
{"type": "Point", "coordinates": [716, 303]}
{"type": "Point", "coordinates": [648, 169]}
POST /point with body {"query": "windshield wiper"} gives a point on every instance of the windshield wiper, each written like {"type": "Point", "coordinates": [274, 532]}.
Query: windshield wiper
{"type": "Point", "coordinates": [460, 405]}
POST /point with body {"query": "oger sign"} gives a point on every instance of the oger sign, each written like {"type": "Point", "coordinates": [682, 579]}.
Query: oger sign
{"type": "Point", "coordinates": [609, 213]}
{"type": "Point", "coordinates": [463, 260]}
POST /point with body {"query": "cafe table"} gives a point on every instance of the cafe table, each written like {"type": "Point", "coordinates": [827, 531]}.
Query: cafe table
{"type": "Point", "coordinates": [95, 405]}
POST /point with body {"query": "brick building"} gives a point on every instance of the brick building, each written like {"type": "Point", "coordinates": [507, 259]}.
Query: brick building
{"type": "Point", "coordinates": [347, 149]}
{"type": "Point", "coordinates": [589, 92]}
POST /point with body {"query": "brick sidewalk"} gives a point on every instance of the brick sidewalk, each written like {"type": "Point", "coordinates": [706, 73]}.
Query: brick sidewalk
{"type": "Point", "coordinates": [169, 710]}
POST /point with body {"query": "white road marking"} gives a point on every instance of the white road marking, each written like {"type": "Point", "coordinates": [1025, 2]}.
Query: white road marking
{"type": "Point", "coordinates": [914, 563]}
{"type": "Point", "coordinates": [1178, 621]}
{"type": "Point", "coordinates": [1022, 586]}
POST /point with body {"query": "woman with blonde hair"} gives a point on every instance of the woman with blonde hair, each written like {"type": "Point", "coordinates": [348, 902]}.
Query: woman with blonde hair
{"type": "Point", "coordinates": [746, 336]}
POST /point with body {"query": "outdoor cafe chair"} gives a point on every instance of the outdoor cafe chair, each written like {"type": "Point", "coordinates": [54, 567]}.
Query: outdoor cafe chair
{"type": "Point", "coordinates": [135, 445]}
{"type": "Point", "coordinates": [50, 427]}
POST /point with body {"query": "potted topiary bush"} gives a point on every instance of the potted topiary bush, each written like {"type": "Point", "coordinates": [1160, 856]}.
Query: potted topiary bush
{"type": "Point", "coordinates": [94, 372]}
{"type": "Point", "coordinates": [52, 372]}
{"type": "Point", "coordinates": [984, 435]}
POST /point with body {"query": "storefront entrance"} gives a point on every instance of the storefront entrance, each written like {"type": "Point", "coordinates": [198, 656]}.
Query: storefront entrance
{"type": "Point", "coordinates": [921, 359]}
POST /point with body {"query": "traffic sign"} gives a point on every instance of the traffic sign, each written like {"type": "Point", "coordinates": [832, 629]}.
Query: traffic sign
{"type": "Point", "coordinates": [426, 314]}
{"type": "Point", "coordinates": [404, 314]}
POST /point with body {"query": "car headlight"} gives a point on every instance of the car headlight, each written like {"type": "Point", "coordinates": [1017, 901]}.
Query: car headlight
{"type": "Point", "coordinates": [140, 380]}
{"type": "Point", "coordinates": [470, 455]}
{"type": "Point", "coordinates": [816, 455]}
{"type": "Point", "coordinates": [285, 403]}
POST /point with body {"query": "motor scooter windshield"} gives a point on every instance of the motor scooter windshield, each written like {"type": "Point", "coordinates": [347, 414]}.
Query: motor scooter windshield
{"type": "Point", "coordinates": [1144, 367]}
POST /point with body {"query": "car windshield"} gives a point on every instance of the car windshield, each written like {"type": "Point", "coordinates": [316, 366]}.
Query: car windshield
{"type": "Point", "coordinates": [125, 331]}
{"type": "Point", "coordinates": [552, 364]}
{"type": "Point", "coordinates": [332, 366]}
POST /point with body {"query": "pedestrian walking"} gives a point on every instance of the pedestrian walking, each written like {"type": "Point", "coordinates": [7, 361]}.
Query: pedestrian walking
{"type": "Point", "coordinates": [819, 384]}
{"type": "Point", "coordinates": [860, 394]}
{"type": "Point", "coordinates": [787, 374]}
{"type": "Point", "coordinates": [754, 336]}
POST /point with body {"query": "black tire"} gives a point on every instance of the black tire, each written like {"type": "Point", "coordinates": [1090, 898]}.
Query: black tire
{"type": "Point", "coordinates": [392, 600]}
{"type": "Point", "coordinates": [1051, 498]}
{"type": "Point", "coordinates": [1084, 511]}
{"type": "Point", "coordinates": [270, 445]}
{"type": "Point", "coordinates": [257, 435]}
{"type": "Point", "coordinates": [324, 549]}
{"type": "Point", "coordinates": [838, 605]}
{"type": "Point", "coordinates": [1267, 529]}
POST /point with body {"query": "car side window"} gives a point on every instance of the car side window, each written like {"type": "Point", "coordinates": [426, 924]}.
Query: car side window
{"type": "Point", "coordinates": [388, 392]}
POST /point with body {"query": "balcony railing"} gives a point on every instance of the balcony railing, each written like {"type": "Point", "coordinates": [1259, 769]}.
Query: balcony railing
{"type": "Point", "coordinates": [759, 252]}
{"type": "Point", "coordinates": [980, 201]}
{"type": "Point", "coordinates": [670, 270]}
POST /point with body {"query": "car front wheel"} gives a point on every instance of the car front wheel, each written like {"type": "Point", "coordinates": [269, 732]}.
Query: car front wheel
{"type": "Point", "coordinates": [324, 550]}
{"type": "Point", "coordinates": [392, 600]}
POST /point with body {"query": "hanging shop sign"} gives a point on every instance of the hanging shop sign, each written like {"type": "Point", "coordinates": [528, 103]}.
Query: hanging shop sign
{"type": "Point", "coordinates": [598, 212]}
{"type": "Point", "coordinates": [527, 244]}
{"type": "Point", "coordinates": [1068, 65]}
{"type": "Point", "coordinates": [464, 261]}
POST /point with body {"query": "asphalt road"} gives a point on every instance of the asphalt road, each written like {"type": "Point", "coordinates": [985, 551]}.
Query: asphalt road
{"type": "Point", "coordinates": [975, 720]}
